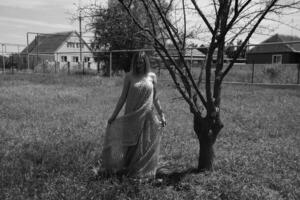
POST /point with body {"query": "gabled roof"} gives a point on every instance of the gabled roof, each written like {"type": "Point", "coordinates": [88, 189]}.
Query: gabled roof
{"type": "Point", "coordinates": [187, 53]}
{"type": "Point", "coordinates": [194, 53]}
{"type": "Point", "coordinates": [49, 43]}
{"type": "Point", "coordinates": [278, 48]}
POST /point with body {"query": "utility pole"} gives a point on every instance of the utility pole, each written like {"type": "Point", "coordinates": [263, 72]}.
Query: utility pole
{"type": "Point", "coordinates": [80, 42]}
{"type": "Point", "coordinates": [27, 50]}
{"type": "Point", "coordinates": [37, 49]}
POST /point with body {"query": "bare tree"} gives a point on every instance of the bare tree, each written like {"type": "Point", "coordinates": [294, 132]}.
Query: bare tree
{"type": "Point", "coordinates": [223, 21]}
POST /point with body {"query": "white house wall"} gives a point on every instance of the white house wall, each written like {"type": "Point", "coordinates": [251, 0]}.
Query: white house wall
{"type": "Point", "coordinates": [70, 52]}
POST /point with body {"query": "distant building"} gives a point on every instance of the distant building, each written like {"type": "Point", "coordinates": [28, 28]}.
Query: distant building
{"type": "Point", "coordinates": [191, 56]}
{"type": "Point", "coordinates": [204, 51]}
{"type": "Point", "coordinates": [275, 53]}
{"type": "Point", "coordinates": [62, 47]}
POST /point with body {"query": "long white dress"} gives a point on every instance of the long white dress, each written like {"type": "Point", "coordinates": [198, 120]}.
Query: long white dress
{"type": "Point", "coordinates": [132, 141]}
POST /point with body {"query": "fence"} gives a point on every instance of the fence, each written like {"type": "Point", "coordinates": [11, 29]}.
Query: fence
{"type": "Point", "coordinates": [107, 63]}
{"type": "Point", "coordinates": [10, 53]}
{"type": "Point", "coordinates": [250, 73]}
{"type": "Point", "coordinates": [12, 62]}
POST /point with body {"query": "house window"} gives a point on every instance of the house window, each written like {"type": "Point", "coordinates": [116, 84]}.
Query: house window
{"type": "Point", "coordinates": [63, 59]}
{"type": "Point", "coordinates": [276, 59]}
{"type": "Point", "coordinates": [86, 59]}
{"type": "Point", "coordinates": [75, 59]}
{"type": "Point", "coordinates": [70, 44]}
{"type": "Point", "coordinates": [77, 45]}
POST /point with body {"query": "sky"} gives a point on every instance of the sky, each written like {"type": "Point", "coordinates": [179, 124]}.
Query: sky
{"type": "Point", "coordinates": [17, 17]}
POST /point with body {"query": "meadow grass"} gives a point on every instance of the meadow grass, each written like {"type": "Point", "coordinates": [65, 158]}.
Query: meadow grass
{"type": "Point", "coordinates": [52, 128]}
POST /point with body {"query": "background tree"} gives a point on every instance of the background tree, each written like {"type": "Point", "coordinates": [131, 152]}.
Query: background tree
{"type": "Point", "coordinates": [1, 61]}
{"type": "Point", "coordinates": [114, 29]}
{"type": "Point", "coordinates": [222, 21]}
{"type": "Point", "coordinates": [229, 50]}
{"type": "Point", "coordinates": [243, 51]}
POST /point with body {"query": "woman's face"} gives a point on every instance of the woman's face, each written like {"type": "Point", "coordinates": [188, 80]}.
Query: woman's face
{"type": "Point", "coordinates": [140, 66]}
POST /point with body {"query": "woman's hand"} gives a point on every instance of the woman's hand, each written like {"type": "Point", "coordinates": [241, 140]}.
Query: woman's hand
{"type": "Point", "coordinates": [163, 120]}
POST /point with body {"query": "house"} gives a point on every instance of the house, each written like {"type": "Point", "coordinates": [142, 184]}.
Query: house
{"type": "Point", "coordinates": [194, 56]}
{"type": "Point", "coordinates": [62, 48]}
{"type": "Point", "coordinates": [204, 51]}
{"type": "Point", "coordinates": [275, 53]}
{"type": "Point", "coordinates": [191, 56]}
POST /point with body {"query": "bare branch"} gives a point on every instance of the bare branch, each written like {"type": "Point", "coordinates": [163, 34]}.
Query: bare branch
{"type": "Point", "coordinates": [237, 13]}
{"type": "Point", "coordinates": [267, 9]}
{"type": "Point", "coordinates": [184, 32]}
{"type": "Point", "coordinates": [183, 77]}
{"type": "Point", "coordinates": [202, 16]}
{"type": "Point", "coordinates": [181, 57]}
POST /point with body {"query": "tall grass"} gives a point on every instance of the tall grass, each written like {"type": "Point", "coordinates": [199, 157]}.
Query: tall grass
{"type": "Point", "coordinates": [51, 131]}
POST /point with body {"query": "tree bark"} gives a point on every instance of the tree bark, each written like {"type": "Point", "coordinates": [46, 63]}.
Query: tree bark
{"type": "Point", "coordinates": [206, 155]}
{"type": "Point", "coordinates": [206, 128]}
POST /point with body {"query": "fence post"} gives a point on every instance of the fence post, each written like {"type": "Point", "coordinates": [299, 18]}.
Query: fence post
{"type": "Point", "coordinates": [252, 76]}
{"type": "Point", "coordinates": [68, 67]}
{"type": "Point", "coordinates": [191, 64]}
{"type": "Point", "coordinates": [12, 64]}
{"type": "Point", "coordinates": [98, 67]}
{"type": "Point", "coordinates": [55, 67]}
{"type": "Point", "coordinates": [82, 64]}
{"type": "Point", "coordinates": [44, 66]}
{"type": "Point", "coordinates": [159, 66]}
{"type": "Point", "coordinates": [298, 79]}
{"type": "Point", "coordinates": [18, 64]}
{"type": "Point", "coordinates": [110, 64]}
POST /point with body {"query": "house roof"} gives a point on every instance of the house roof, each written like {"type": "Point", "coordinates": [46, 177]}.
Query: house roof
{"type": "Point", "coordinates": [49, 43]}
{"type": "Point", "coordinates": [278, 48]}
{"type": "Point", "coordinates": [195, 53]}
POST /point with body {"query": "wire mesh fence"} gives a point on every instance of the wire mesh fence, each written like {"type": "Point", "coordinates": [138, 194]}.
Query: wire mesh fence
{"type": "Point", "coordinates": [113, 63]}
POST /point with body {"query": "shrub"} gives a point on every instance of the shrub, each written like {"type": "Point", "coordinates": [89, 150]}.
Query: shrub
{"type": "Point", "coordinates": [271, 71]}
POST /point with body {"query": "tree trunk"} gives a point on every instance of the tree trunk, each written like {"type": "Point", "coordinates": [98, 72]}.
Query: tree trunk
{"type": "Point", "coordinates": [206, 129]}
{"type": "Point", "coordinates": [206, 154]}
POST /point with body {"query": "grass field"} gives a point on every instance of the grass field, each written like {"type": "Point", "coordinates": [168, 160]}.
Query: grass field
{"type": "Point", "coordinates": [51, 132]}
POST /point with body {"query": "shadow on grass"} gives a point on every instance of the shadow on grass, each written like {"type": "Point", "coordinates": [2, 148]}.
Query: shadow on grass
{"type": "Point", "coordinates": [173, 177]}
{"type": "Point", "coordinates": [164, 176]}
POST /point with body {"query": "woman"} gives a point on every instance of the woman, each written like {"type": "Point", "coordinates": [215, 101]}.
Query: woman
{"type": "Point", "coordinates": [132, 141]}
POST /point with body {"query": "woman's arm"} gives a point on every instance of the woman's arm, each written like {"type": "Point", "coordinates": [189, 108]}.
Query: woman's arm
{"type": "Point", "coordinates": [122, 99]}
{"type": "Point", "coordinates": [157, 102]}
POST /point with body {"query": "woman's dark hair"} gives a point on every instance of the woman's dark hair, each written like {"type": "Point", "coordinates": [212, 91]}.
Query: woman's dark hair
{"type": "Point", "coordinates": [140, 58]}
